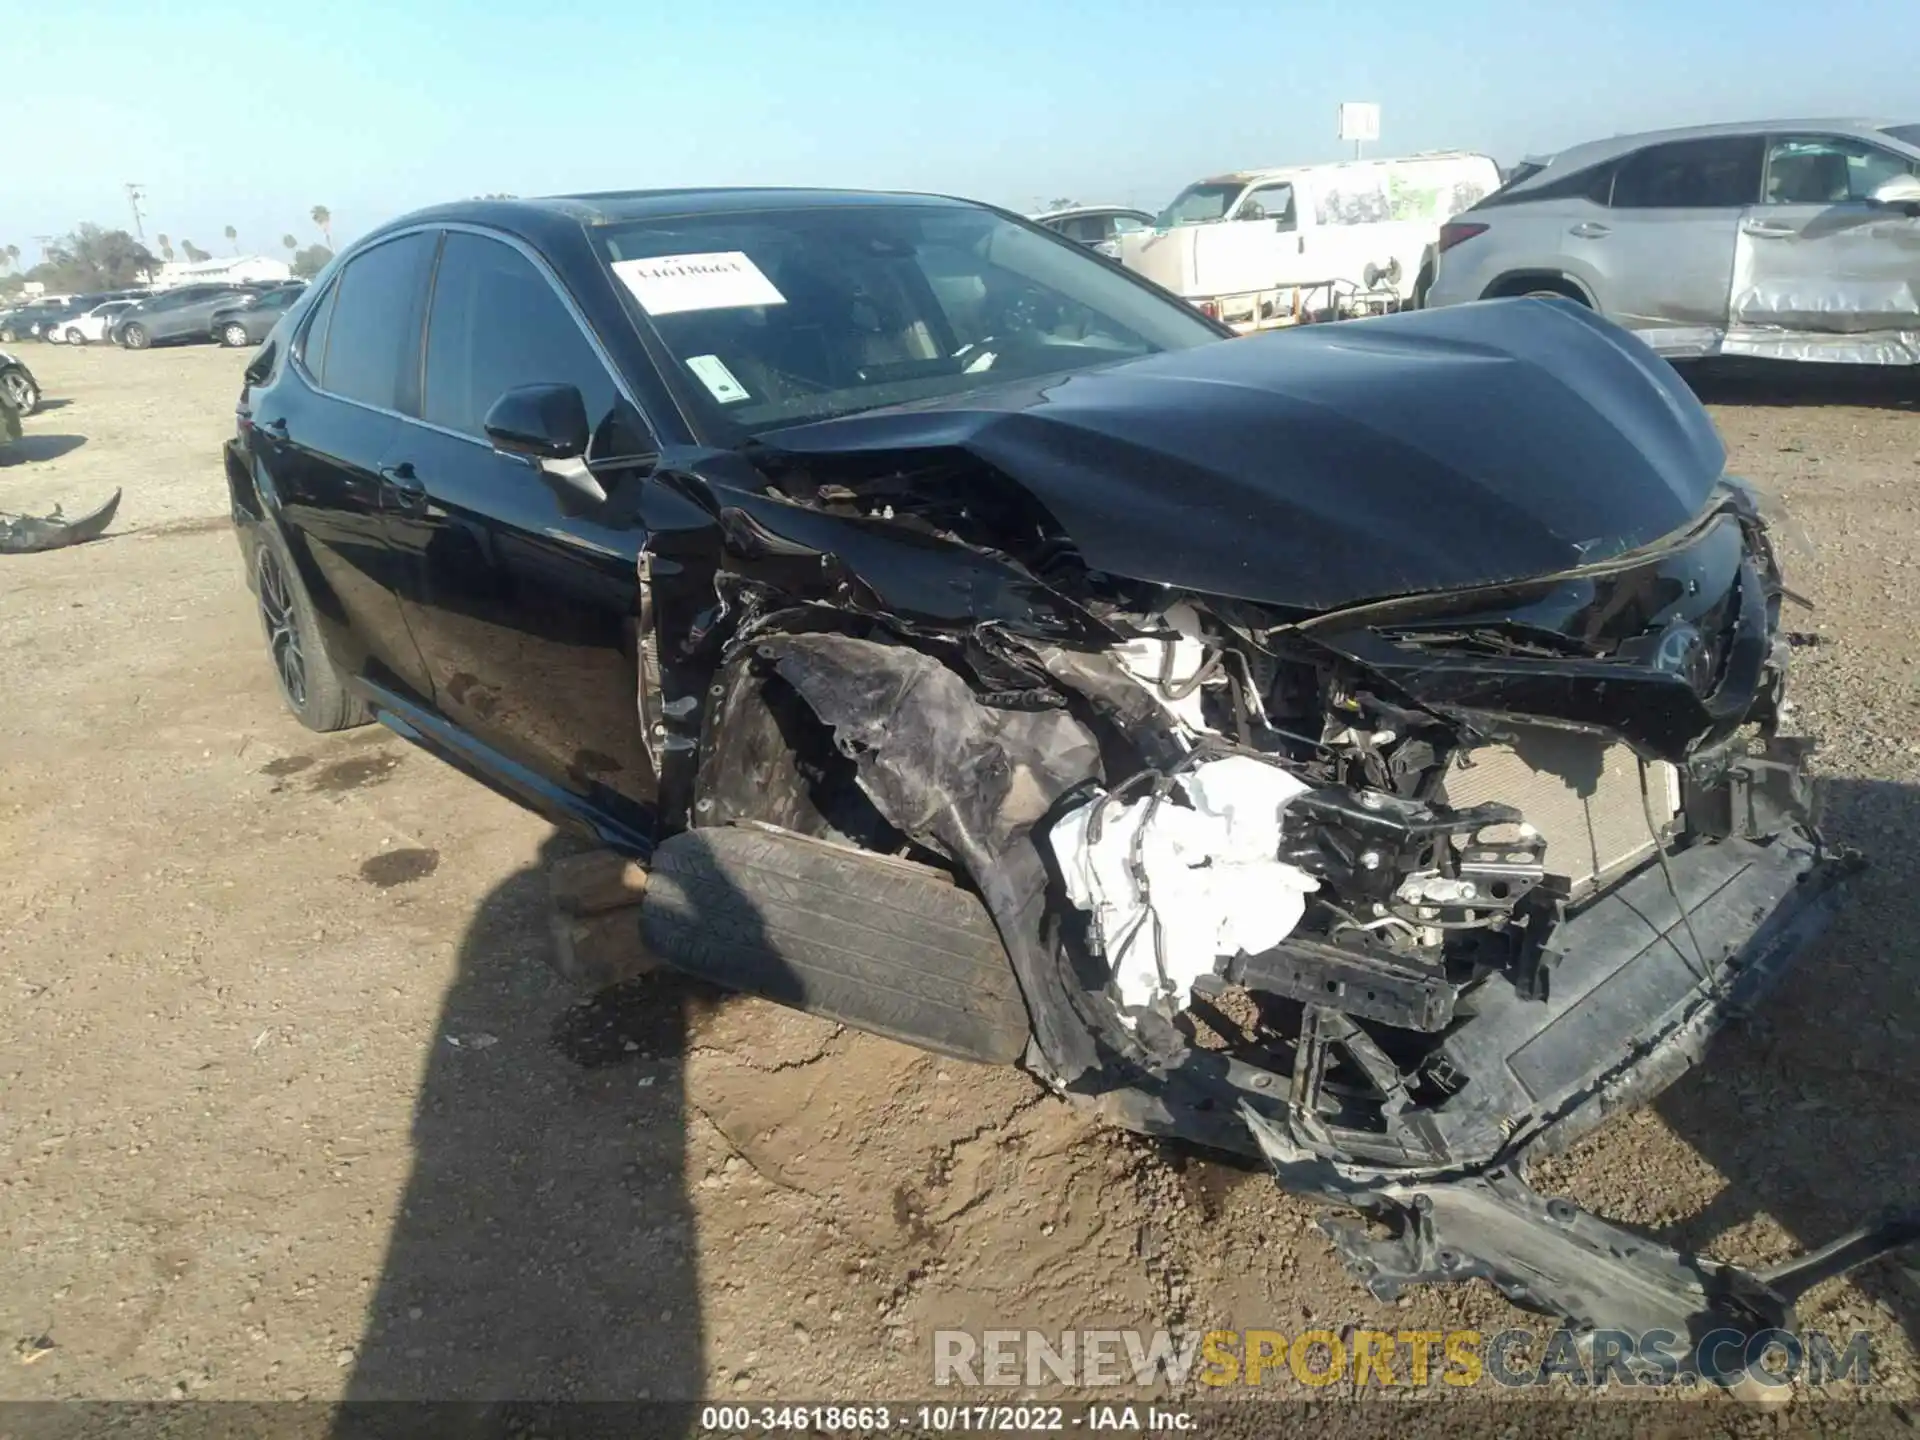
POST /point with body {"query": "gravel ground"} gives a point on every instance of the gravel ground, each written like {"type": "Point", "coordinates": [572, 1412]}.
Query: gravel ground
{"type": "Point", "coordinates": [293, 1108]}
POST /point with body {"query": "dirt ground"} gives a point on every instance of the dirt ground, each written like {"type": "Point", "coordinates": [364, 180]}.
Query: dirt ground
{"type": "Point", "coordinates": [293, 1106]}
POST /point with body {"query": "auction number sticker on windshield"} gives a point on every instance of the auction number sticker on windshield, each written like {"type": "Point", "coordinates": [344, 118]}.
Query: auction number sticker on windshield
{"type": "Point", "coordinates": [716, 280]}
{"type": "Point", "coordinates": [718, 379]}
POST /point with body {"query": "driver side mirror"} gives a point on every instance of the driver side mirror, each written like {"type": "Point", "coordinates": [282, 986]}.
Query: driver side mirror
{"type": "Point", "coordinates": [547, 424]}
{"type": "Point", "coordinates": [542, 422]}
{"type": "Point", "coordinates": [1901, 192]}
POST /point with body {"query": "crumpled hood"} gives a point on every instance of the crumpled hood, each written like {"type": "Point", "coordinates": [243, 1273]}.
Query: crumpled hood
{"type": "Point", "coordinates": [1330, 464]}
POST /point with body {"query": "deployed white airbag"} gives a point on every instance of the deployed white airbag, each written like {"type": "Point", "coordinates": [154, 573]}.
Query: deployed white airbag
{"type": "Point", "coordinates": [1213, 883]}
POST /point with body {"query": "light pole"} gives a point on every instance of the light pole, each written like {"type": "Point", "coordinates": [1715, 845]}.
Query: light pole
{"type": "Point", "coordinates": [135, 194]}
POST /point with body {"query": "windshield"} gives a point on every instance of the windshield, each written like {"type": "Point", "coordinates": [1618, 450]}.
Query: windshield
{"type": "Point", "coordinates": [1198, 204]}
{"type": "Point", "coordinates": [783, 317]}
{"type": "Point", "coordinates": [1905, 134]}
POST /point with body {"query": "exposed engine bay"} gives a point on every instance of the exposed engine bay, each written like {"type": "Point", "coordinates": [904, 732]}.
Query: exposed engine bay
{"type": "Point", "coordinates": [1395, 893]}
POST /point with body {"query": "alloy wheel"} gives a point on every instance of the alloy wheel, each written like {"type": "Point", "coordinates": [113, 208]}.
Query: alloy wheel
{"type": "Point", "coordinates": [282, 624]}
{"type": "Point", "coordinates": [136, 337]}
{"type": "Point", "coordinates": [21, 393]}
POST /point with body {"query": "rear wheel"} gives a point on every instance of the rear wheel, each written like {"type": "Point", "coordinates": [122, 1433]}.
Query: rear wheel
{"type": "Point", "coordinates": [234, 335]}
{"type": "Point", "coordinates": [1538, 287]}
{"type": "Point", "coordinates": [135, 336]}
{"type": "Point", "coordinates": [311, 686]}
{"type": "Point", "coordinates": [8, 335]}
{"type": "Point", "coordinates": [22, 393]}
{"type": "Point", "coordinates": [75, 337]}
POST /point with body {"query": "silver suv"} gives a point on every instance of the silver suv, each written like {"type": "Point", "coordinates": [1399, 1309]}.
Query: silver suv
{"type": "Point", "coordinates": [1793, 240]}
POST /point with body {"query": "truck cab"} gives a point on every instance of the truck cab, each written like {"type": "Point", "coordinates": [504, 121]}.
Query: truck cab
{"type": "Point", "coordinates": [1265, 248]}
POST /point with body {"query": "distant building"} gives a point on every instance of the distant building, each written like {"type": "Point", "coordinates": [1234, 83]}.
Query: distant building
{"type": "Point", "coordinates": [235, 268]}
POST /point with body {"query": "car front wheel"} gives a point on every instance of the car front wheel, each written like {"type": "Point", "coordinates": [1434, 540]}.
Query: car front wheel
{"type": "Point", "coordinates": [22, 393]}
{"type": "Point", "coordinates": [135, 337]}
{"type": "Point", "coordinates": [9, 335]}
{"type": "Point", "coordinates": [234, 335]}
{"type": "Point", "coordinates": [312, 688]}
{"type": "Point", "coordinates": [74, 337]}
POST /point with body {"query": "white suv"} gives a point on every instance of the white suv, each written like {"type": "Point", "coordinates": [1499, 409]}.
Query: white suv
{"type": "Point", "coordinates": [1794, 240]}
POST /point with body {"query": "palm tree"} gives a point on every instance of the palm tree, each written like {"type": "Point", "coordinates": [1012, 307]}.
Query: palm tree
{"type": "Point", "coordinates": [166, 248]}
{"type": "Point", "coordinates": [233, 235]}
{"type": "Point", "coordinates": [323, 217]}
{"type": "Point", "coordinates": [291, 244]}
{"type": "Point", "coordinates": [13, 257]}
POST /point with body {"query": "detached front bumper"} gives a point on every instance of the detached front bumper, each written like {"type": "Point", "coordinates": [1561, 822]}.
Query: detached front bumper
{"type": "Point", "coordinates": [1644, 978]}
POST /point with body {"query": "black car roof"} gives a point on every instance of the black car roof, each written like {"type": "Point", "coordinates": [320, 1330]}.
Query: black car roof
{"type": "Point", "coordinates": [612, 207]}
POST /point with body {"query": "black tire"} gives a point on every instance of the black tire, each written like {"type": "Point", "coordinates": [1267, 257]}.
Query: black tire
{"type": "Point", "coordinates": [9, 335]}
{"type": "Point", "coordinates": [310, 684]}
{"type": "Point", "coordinates": [875, 942]}
{"type": "Point", "coordinates": [234, 336]}
{"type": "Point", "coordinates": [134, 336]}
{"type": "Point", "coordinates": [1537, 287]}
{"type": "Point", "coordinates": [74, 337]}
{"type": "Point", "coordinates": [23, 392]}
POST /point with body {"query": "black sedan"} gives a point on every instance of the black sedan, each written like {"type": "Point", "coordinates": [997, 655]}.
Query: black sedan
{"type": "Point", "coordinates": [248, 324]}
{"type": "Point", "coordinates": [28, 322]}
{"type": "Point", "coordinates": [1319, 745]}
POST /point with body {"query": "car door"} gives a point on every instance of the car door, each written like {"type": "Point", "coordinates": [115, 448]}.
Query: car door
{"type": "Point", "coordinates": [1662, 254]}
{"type": "Point", "coordinates": [526, 606]}
{"type": "Point", "coordinates": [1820, 269]}
{"type": "Point", "coordinates": [323, 441]}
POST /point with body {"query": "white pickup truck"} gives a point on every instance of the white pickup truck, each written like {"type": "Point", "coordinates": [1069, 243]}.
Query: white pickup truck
{"type": "Point", "coordinates": [1264, 248]}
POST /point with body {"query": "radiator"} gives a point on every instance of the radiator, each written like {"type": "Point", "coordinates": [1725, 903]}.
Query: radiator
{"type": "Point", "coordinates": [1581, 793]}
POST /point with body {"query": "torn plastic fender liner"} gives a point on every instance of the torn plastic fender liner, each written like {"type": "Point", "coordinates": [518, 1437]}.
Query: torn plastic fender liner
{"type": "Point", "coordinates": [963, 778]}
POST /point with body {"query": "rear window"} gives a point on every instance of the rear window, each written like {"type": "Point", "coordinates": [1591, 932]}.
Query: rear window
{"type": "Point", "coordinates": [1721, 173]}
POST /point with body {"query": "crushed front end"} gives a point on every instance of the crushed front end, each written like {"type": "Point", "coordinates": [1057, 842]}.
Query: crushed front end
{"type": "Point", "coordinates": [1530, 847]}
{"type": "Point", "coordinates": [1395, 892]}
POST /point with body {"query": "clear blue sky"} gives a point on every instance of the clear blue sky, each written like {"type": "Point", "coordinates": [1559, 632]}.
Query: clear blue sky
{"type": "Point", "coordinates": [249, 114]}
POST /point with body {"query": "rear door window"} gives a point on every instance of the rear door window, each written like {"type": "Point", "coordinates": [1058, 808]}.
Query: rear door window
{"type": "Point", "coordinates": [1720, 173]}
{"type": "Point", "coordinates": [497, 323]}
{"type": "Point", "coordinates": [374, 330]}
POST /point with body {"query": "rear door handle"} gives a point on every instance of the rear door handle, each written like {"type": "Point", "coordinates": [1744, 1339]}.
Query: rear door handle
{"type": "Point", "coordinates": [409, 491]}
{"type": "Point", "coordinates": [1590, 230]}
{"type": "Point", "coordinates": [1764, 231]}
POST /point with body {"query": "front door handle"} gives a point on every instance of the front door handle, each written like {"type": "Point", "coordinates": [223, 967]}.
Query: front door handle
{"type": "Point", "coordinates": [1590, 230]}
{"type": "Point", "coordinates": [1764, 231]}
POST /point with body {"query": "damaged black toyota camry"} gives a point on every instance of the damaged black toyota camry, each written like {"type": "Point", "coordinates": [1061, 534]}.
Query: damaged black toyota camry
{"type": "Point", "coordinates": [1358, 746]}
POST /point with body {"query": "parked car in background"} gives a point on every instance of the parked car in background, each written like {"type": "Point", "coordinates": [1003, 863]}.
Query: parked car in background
{"type": "Point", "coordinates": [181, 314]}
{"type": "Point", "coordinates": [978, 649]}
{"type": "Point", "coordinates": [1784, 239]}
{"type": "Point", "coordinates": [1095, 226]}
{"type": "Point", "coordinates": [92, 324]}
{"type": "Point", "coordinates": [248, 322]}
{"type": "Point", "coordinates": [1265, 248]}
{"type": "Point", "coordinates": [27, 322]}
